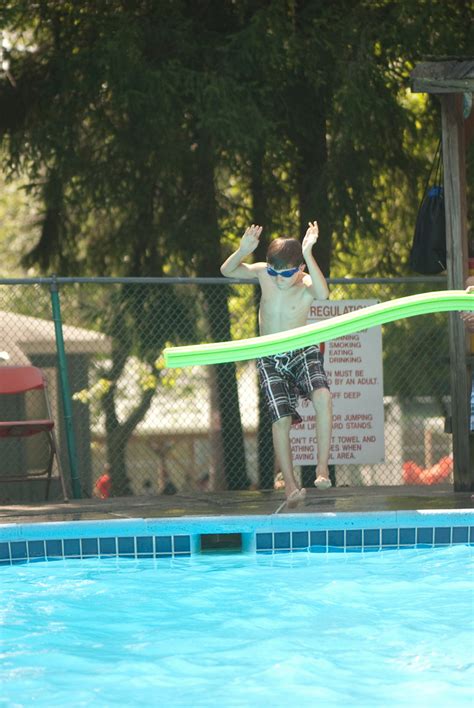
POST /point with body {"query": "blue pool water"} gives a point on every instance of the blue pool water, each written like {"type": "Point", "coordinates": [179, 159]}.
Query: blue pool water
{"type": "Point", "coordinates": [392, 628]}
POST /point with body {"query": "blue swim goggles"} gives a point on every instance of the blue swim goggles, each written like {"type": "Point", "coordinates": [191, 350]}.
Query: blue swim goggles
{"type": "Point", "coordinates": [283, 273]}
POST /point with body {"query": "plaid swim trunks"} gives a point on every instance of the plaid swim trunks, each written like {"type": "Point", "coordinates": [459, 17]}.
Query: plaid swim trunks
{"type": "Point", "coordinates": [286, 377]}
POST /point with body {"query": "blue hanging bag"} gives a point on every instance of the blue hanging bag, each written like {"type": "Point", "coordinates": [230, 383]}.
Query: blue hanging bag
{"type": "Point", "coordinates": [428, 251]}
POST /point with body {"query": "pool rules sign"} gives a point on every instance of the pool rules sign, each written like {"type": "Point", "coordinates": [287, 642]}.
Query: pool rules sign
{"type": "Point", "coordinates": [354, 368]}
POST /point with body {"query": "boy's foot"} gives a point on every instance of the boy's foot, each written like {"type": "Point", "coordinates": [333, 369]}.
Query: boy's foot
{"type": "Point", "coordinates": [322, 483]}
{"type": "Point", "coordinates": [292, 501]}
{"type": "Point", "coordinates": [295, 498]}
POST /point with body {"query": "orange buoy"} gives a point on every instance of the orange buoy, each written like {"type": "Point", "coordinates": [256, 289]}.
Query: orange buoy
{"type": "Point", "coordinates": [414, 474]}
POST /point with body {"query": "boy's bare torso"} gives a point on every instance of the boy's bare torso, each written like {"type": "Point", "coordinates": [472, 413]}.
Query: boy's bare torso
{"type": "Point", "coordinates": [282, 307]}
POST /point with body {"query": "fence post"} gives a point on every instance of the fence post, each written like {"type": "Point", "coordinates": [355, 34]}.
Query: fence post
{"type": "Point", "coordinates": [65, 388]}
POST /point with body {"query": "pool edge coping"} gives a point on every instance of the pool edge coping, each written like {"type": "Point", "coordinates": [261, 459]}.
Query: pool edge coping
{"type": "Point", "coordinates": [237, 524]}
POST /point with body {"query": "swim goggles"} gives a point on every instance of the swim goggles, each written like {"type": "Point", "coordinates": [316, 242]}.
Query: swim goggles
{"type": "Point", "coordinates": [283, 273]}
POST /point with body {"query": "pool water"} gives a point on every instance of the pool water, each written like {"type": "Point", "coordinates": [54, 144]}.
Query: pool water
{"type": "Point", "coordinates": [393, 628]}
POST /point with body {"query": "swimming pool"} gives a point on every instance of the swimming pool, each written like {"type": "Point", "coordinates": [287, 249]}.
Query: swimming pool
{"type": "Point", "coordinates": [383, 618]}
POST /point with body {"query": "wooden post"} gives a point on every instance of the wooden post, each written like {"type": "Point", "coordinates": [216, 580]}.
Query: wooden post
{"type": "Point", "coordinates": [454, 166]}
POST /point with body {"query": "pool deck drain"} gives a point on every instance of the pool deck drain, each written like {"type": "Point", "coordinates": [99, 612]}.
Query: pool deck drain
{"type": "Point", "coordinates": [239, 503]}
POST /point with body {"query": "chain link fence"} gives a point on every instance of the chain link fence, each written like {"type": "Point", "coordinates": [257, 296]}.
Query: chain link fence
{"type": "Point", "coordinates": [152, 431]}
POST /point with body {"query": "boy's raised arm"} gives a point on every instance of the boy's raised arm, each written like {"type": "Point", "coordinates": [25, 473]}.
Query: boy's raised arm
{"type": "Point", "coordinates": [318, 287]}
{"type": "Point", "coordinates": [234, 267]}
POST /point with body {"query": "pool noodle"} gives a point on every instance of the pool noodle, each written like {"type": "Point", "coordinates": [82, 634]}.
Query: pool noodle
{"type": "Point", "coordinates": [372, 316]}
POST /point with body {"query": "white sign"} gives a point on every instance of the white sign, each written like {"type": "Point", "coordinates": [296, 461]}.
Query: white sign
{"type": "Point", "coordinates": [354, 369]}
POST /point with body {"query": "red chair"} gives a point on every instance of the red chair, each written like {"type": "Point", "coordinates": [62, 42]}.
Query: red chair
{"type": "Point", "coordinates": [20, 380]}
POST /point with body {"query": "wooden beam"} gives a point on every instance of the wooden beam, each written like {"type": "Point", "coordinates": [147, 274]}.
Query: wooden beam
{"type": "Point", "coordinates": [443, 85]}
{"type": "Point", "coordinates": [454, 166]}
{"type": "Point", "coordinates": [449, 76]}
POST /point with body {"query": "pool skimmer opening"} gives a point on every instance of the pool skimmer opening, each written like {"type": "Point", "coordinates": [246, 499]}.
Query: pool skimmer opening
{"type": "Point", "coordinates": [223, 542]}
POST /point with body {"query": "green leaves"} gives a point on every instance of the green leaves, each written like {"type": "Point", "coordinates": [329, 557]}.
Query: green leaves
{"type": "Point", "coordinates": [111, 101]}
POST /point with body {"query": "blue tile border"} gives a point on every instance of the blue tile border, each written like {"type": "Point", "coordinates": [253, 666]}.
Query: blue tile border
{"type": "Point", "coordinates": [165, 538]}
{"type": "Point", "coordinates": [351, 540]}
{"type": "Point", "coordinates": [126, 546]}
{"type": "Point", "coordinates": [461, 534]}
{"type": "Point", "coordinates": [89, 547]}
{"type": "Point", "coordinates": [264, 541]}
{"type": "Point", "coordinates": [389, 538]}
{"type": "Point", "coordinates": [442, 536]}
{"type": "Point", "coordinates": [72, 548]}
{"type": "Point", "coordinates": [299, 540]}
{"type": "Point", "coordinates": [407, 537]}
{"type": "Point", "coordinates": [144, 546]}
{"type": "Point", "coordinates": [108, 547]}
{"type": "Point", "coordinates": [54, 549]}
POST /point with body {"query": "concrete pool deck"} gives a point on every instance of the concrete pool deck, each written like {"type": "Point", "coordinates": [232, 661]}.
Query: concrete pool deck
{"type": "Point", "coordinates": [338, 499]}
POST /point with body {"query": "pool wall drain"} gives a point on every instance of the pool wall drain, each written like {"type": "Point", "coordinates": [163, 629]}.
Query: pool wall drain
{"type": "Point", "coordinates": [225, 542]}
{"type": "Point", "coordinates": [221, 542]}
{"type": "Point", "coordinates": [188, 536]}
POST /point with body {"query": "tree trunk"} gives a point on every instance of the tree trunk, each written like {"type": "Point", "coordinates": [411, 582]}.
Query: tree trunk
{"type": "Point", "coordinates": [208, 263]}
{"type": "Point", "coordinates": [261, 216]}
{"type": "Point", "coordinates": [217, 480]}
{"type": "Point", "coordinates": [116, 455]}
{"type": "Point", "coordinates": [117, 433]}
{"type": "Point", "coordinates": [312, 182]}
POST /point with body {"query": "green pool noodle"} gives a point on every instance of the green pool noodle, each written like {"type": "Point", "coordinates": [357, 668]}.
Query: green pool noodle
{"type": "Point", "coordinates": [323, 331]}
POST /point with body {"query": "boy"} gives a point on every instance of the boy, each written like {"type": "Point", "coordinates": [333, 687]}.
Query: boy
{"type": "Point", "coordinates": [287, 293]}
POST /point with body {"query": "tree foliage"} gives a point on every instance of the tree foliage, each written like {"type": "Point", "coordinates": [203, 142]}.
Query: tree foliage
{"type": "Point", "coordinates": [114, 111]}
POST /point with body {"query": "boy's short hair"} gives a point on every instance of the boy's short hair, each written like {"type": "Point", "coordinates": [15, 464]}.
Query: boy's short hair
{"type": "Point", "coordinates": [284, 252]}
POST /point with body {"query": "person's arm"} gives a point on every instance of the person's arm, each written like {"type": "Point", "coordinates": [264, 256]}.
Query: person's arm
{"type": "Point", "coordinates": [318, 286]}
{"type": "Point", "coordinates": [468, 317]}
{"type": "Point", "coordinates": [234, 267]}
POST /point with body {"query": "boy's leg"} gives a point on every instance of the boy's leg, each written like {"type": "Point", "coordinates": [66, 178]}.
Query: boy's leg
{"type": "Point", "coordinates": [282, 447]}
{"type": "Point", "coordinates": [273, 378]}
{"type": "Point", "coordinates": [322, 403]}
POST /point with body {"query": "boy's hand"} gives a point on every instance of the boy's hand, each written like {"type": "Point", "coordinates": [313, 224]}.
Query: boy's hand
{"type": "Point", "coordinates": [310, 238]}
{"type": "Point", "coordinates": [249, 241]}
